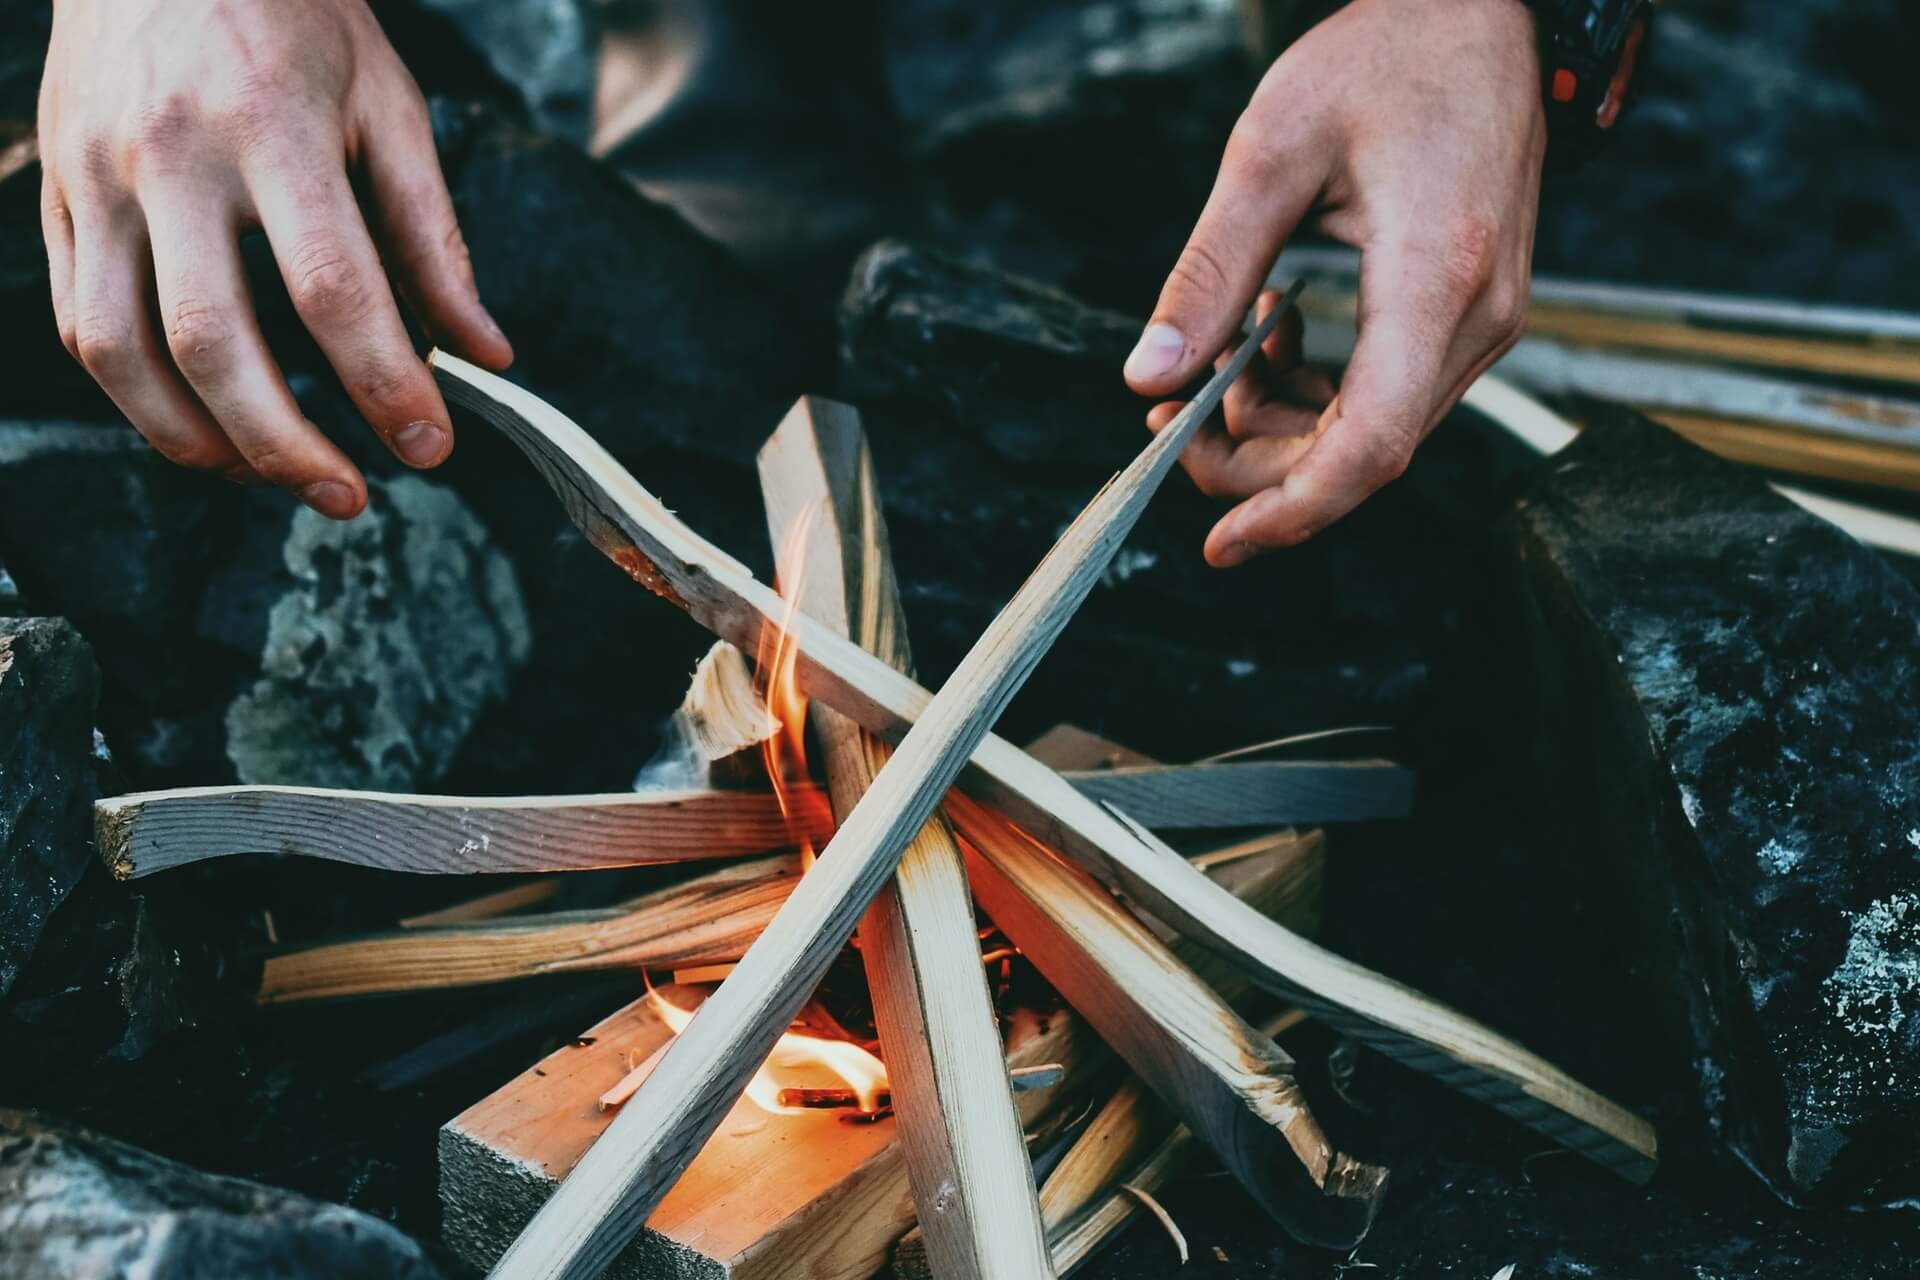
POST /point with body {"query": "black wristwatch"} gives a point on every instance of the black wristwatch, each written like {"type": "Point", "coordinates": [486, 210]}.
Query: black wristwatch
{"type": "Point", "coordinates": [1589, 53]}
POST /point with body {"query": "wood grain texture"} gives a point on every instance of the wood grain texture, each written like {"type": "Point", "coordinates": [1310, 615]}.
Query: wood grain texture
{"type": "Point", "coordinates": [606, 1199]}
{"type": "Point", "coordinates": [761, 1201]}
{"type": "Point", "coordinates": [1252, 793]}
{"type": "Point", "coordinates": [148, 831]}
{"type": "Point", "coordinates": [1858, 342]}
{"type": "Point", "coordinates": [1807, 453]}
{"type": "Point", "coordinates": [634, 529]}
{"type": "Point", "coordinates": [709, 919]}
{"type": "Point", "coordinates": [966, 1159]}
{"type": "Point", "coordinates": [1229, 1084]}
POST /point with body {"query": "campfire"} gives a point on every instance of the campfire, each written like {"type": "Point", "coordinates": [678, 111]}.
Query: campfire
{"type": "Point", "coordinates": [1049, 987]}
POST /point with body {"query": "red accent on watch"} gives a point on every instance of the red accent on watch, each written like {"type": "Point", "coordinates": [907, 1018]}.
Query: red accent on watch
{"type": "Point", "coordinates": [1565, 85]}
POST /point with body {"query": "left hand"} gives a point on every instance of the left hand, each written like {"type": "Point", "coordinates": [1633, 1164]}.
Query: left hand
{"type": "Point", "coordinates": [1413, 130]}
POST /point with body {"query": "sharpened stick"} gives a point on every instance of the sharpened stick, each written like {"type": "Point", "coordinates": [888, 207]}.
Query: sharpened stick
{"type": "Point", "coordinates": [966, 1156]}
{"type": "Point", "coordinates": [607, 1197]}
{"type": "Point", "coordinates": [637, 532]}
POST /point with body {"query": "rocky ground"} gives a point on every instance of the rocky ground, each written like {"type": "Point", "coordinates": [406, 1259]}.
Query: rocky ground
{"type": "Point", "coordinates": [463, 637]}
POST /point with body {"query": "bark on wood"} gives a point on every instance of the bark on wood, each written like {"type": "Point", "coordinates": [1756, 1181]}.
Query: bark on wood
{"type": "Point", "coordinates": [966, 1160]}
{"type": "Point", "coordinates": [769, 1196]}
{"type": "Point", "coordinates": [149, 831]}
{"type": "Point", "coordinates": [709, 919]}
{"type": "Point", "coordinates": [635, 530]}
{"type": "Point", "coordinates": [606, 1199]}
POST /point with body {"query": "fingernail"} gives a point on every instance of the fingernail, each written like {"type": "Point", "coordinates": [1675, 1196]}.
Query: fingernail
{"type": "Point", "coordinates": [1158, 351]}
{"type": "Point", "coordinates": [420, 444]}
{"type": "Point", "coordinates": [330, 498]}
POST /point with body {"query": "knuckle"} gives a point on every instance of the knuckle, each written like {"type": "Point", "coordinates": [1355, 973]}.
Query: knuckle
{"type": "Point", "coordinates": [322, 280]}
{"type": "Point", "coordinates": [1466, 266]}
{"type": "Point", "coordinates": [278, 465]}
{"type": "Point", "coordinates": [200, 337]}
{"type": "Point", "coordinates": [1506, 305]}
{"type": "Point", "coordinates": [103, 344]}
{"type": "Point", "coordinates": [384, 385]}
{"type": "Point", "coordinates": [163, 125]}
{"type": "Point", "coordinates": [1387, 454]}
{"type": "Point", "coordinates": [1198, 270]}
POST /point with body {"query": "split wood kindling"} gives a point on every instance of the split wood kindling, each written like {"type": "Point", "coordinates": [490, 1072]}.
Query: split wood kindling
{"type": "Point", "coordinates": [636, 531]}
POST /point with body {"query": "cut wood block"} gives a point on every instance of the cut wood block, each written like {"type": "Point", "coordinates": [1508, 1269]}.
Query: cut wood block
{"type": "Point", "coordinates": [149, 831]}
{"type": "Point", "coordinates": [1252, 793]}
{"type": "Point", "coordinates": [710, 919]}
{"type": "Point", "coordinates": [634, 529]}
{"type": "Point", "coordinates": [760, 1201]}
{"type": "Point", "coordinates": [972, 1185]}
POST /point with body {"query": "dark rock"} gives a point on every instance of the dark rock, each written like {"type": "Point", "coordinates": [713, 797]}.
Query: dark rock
{"type": "Point", "coordinates": [995, 409]}
{"type": "Point", "coordinates": [1068, 140]}
{"type": "Point", "coordinates": [547, 49]}
{"type": "Point", "coordinates": [246, 638]}
{"type": "Point", "coordinates": [48, 686]}
{"type": "Point", "coordinates": [1728, 720]}
{"type": "Point", "coordinates": [73, 1203]}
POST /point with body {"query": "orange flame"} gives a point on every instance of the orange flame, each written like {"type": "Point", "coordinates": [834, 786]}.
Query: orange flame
{"type": "Point", "coordinates": [775, 661]}
{"type": "Point", "coordinates": [798, 1060]}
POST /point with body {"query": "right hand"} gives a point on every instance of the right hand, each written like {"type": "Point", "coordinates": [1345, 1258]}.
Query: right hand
{"type": "Point", "coordinates": [168, 128]}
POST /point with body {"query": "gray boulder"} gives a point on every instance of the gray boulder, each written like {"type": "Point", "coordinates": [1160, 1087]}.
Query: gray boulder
{"type": "Point", "coordinates": [73, 1203]}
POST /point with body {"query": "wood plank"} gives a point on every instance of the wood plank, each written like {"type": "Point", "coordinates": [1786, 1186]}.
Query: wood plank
{"type": "Point", "coordinates": [1807, 453]}
{"type": "Point", "coordinates": [635, 530]}
{"type": "Point", "coordinates": [972, 1186]}
{"type": "Point", "coordinates": [759, 1202]}
{"type": "Point", "coordinates": [709, 919]}
{"type": "Point", "coordinates": [1252, 793]}
{"type": "Point", "coordinates": [609, 1194]}
{"type": "Point", "coordinates": [488, 906]}
{"type": "Point", "coordinates": [148, 831]}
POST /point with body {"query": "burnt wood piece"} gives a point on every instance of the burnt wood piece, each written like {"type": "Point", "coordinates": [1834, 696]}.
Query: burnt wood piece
{"type": "Point", "coordinates": [972, 1186]}
{"type": "Point", "coordinates": [635, 530]}
{"type": "Point", "coordinates": [1728, 693]}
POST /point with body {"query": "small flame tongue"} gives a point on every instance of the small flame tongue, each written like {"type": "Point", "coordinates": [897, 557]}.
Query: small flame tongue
{"type": "Point", "coordinates": [776, 660]}
{"type": "Point", "coordinates": [799, 1061]}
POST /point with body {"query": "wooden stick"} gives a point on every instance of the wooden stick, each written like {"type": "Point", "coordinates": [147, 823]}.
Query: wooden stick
{"type": "Point", "coordinates": [711, 918]}
{"type": "Point", "coordinates": [1855, 342]}
{"type": "Point", "coordinates": [769, 1196]}
{"type": "Point", "coordinates": [637, 532]}
{"type": "Point", "coordinates": [608, 1196]}
{"type": "Point", "coordinates": [487, 906]}
{"type": "Point", "coordinates": [1809, 453]}
{"type": "Point", "coordinates": [966, 1158]}
{"type": "Point", "coordinates": [149, 831]}
{"type": "Point", "coordinates": [1232, 1086]}
{"type": "Point", "coordinates": [1252, 793]}
{"type": "Point", "coordinates": [1544, 431]}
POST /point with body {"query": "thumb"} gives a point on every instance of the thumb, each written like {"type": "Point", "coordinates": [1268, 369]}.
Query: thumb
{"type": "Point", "coordinates": [1257, 200]}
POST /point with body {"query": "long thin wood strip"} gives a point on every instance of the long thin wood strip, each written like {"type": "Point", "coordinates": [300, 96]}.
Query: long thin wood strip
{"type": "Point", "coordinates": [709, 919]}
{"type": "Point", "coordinates": [608, 1196]}
{"type": "Point", "coordinates": [148, 831]}
{"type": "Point", "coordinates": [1252, 793]}
{"type": "Point", "coordinates": [1808, 453]}
{"type": "Point", "coordinates": [487, 906]}
{"type": "Point", "coordinates": [966, 1157]}
{"type": "Point", "coordinates": [637, 532]}
{"type": "Point", "coordinates": [1855, 342]}
{"type": "Point", "coordinates": [1541, 429]}
{"type": "Point", "coordinates": [1232, 1086]}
